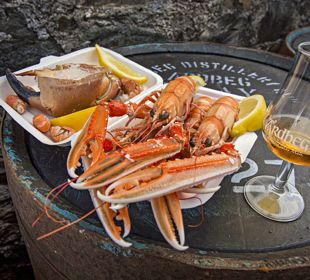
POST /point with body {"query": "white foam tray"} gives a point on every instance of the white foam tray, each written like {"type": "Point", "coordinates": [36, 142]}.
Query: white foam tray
{"type": "Point", "coordinates": [243, 144]}
{"type": "Point", "coordinates": [88, 56]}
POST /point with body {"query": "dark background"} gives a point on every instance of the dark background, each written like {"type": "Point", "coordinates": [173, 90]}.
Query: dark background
{"type": "Point", "coordinates": [31, 29]}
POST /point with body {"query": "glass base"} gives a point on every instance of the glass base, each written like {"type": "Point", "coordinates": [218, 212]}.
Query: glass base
{"type": "Point", "coordinates": [281, 207]}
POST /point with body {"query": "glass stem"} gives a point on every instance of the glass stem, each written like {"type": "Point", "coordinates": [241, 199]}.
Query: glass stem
{"type": "Point", "coordinates": [282, 177]}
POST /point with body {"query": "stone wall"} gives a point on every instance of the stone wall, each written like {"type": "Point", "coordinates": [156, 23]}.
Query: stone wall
{"type": "Point", "coordinates": [31, 29]}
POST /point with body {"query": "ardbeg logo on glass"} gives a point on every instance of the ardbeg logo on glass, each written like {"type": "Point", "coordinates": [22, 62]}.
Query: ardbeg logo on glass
{"type": "Point", "coordinates": [287, 138]}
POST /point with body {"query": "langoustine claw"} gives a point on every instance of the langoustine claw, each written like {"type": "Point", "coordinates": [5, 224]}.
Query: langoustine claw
{"type": "Point", "coordinates": [160, 183]}
{"type": "Point", "coordinates": [118, 164]}
{"type": "Point", "coordinates": [107, 217]}
{"type": "Point", "coordinates": [91, 138]}
{"type": "Point", "coordinates": [171, 176]}
{"type": "Point", "coordinates": [168, 215]}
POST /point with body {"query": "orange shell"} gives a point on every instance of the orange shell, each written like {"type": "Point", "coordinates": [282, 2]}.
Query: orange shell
{"type": "Point", "coordinates": [41, 122]}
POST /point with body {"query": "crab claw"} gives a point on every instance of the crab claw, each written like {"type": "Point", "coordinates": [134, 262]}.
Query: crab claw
{"type": "Point", "coordinates": [168, 215]}
{"type": "Point", "coordinates": [25, 93]}
{"type": "Point", "coordinates": [107, 216]}
{"type": "Point", "coordinates": [171, 176]}
{"type": "Point", "coordinates": [118, 164]}
{"type": "Point", "coordinates": [92, 137]}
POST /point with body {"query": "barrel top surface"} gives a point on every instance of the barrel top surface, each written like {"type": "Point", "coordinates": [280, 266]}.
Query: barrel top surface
{"type": "Point", "coordinates": [230, 225]}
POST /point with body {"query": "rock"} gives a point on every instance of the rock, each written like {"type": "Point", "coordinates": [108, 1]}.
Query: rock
{"type": "Point", "coordinates": [32, 29]}
{"type": "Point", "coordinates": [13, 255]}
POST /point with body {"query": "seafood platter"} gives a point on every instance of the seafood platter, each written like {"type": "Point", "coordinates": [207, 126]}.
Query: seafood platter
{"type": "Point", "coordinates": [170, 145]}
{"type": "Point", "coordinates": [56, 87]}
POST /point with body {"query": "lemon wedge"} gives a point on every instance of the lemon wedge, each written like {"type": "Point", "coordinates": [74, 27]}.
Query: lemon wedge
{"type": "Point", "coordinates": [75, 120]}
{"type": "Point", "coordinates": [251, 115]}
{"type": "Point", "coordinates": [117, 67]}
{"type": "Point", "coordinates": [198, 80]}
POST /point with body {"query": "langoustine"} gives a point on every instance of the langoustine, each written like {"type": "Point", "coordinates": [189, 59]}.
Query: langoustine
{"type": "Point", "coordinates": [215, 128]}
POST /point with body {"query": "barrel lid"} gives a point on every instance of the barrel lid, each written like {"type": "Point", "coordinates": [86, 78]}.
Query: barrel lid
{"type": "Point", "coordinates": [230, 225]}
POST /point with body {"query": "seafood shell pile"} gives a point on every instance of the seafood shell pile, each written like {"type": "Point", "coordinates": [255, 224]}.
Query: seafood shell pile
{"type": "Point", "coordinates": [68, 88]}
{"type": "Point", "coordinates": [172, 142]}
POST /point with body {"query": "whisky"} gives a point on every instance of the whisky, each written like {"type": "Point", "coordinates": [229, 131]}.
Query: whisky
{"type": "Point", "coordinates": [288, 138]}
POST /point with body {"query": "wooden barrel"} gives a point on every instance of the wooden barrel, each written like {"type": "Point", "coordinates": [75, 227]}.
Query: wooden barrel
{"type": "Point", "coordinates": [233, 241]}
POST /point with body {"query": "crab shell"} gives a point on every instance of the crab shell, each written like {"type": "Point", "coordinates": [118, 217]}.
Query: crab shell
{"type": "Point", "coordinates": [73, 88]}
{"type": "Point", "coordinates": [67, 88]}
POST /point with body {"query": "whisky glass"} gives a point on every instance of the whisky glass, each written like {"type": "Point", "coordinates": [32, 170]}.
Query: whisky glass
{"type": "Point", "coordinates": [286, 130]}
